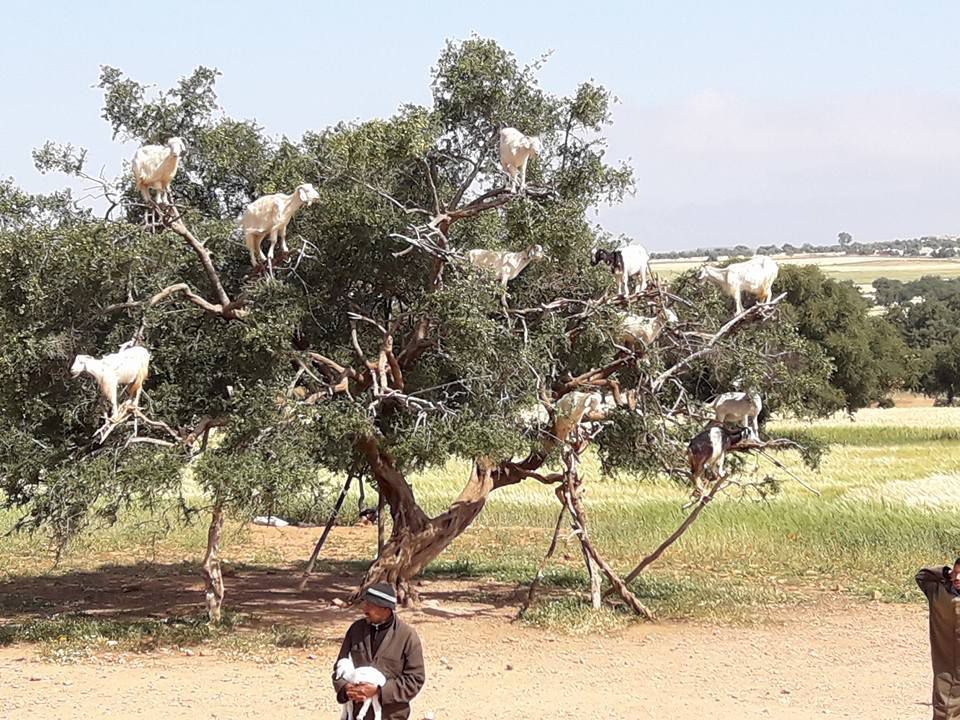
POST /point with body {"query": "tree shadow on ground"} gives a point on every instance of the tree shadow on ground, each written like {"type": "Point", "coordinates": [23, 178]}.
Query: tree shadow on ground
{"type": "Point", "coordinates": [264, 595]}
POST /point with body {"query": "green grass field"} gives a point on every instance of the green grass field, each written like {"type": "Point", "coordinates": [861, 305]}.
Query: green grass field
{"type": "Point", "coordinates": [889, 489]}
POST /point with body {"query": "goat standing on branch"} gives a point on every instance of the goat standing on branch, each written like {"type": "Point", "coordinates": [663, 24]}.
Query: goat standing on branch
{"type": "Point", "coordinates": [516, 149]}
{"type": "Point", "coordinates": [755, 277]}
{"type": "Point", "coordinates": [506, 265]}
{"type": "Point", "coordinates": [645, 330]}
{"type": "Point", "coordinates": [270, 215]}
{"type": "Point", "coordinates": [127, 367]}
{"type": "Point", "coordinates": [154, 167]}
{"type": "Point", "coordinates": [625, 263]}
{"type": "Point", "coordinates": [707, 451]}
{"type": "Point", "coordinates": [579, 406]}
{"type": "Point", "coordinates": [739, 407]}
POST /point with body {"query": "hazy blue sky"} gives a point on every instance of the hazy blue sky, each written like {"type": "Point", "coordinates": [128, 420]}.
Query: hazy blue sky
{"type": "Point", "coordinates": [746, 122]}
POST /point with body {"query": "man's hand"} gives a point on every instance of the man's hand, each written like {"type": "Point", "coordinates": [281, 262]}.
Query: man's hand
{"type": "Point", "coordinates": [358, 692]}
{"type": "Point", "coordinates": [367, 690]}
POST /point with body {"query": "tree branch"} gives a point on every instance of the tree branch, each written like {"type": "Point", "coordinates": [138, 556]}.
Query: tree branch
{"type": "Point", "coordinates": [757, 311]}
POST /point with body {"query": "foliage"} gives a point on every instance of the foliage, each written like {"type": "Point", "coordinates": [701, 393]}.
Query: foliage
{"type": "Point", "coordinates": [869, 359]}
{"type": "Point", "coordinates": [930, 328]}
{"type": "Point", "coordinates": [470, 374]}
{"type": "Point", "coordinates": [19, 209]}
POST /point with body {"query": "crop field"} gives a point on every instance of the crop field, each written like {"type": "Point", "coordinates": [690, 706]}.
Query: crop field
{"type": "Point", "coordinates": [862, 270]}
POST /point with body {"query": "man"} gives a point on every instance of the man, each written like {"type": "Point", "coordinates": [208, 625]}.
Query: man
{"type": "Point", "coordinates": [941, 585]}
{"type": "Point", "coordinates": [387, 643]}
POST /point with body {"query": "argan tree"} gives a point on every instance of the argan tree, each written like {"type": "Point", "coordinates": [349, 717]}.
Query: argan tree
{"type": "Point", "coordinates": [374, 348]}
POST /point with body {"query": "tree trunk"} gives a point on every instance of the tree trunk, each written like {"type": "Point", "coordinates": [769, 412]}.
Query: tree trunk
{"type": "Point", "coordinates": [595, 563]}
{"type": "Point", "coordinates": [572, 461]}
{"type": "Point", "coordinates": [211, 565]}
{"type": "Point", "coordinates": [417, 540]}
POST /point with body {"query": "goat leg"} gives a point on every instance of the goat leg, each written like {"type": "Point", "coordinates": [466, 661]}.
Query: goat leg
{"type": "Point", "coordinates": [273, 244]}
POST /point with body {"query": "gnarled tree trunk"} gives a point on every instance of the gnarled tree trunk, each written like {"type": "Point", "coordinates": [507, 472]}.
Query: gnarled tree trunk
{"type": "Point", "coordinates": [211, 565]}
{"type": "Point", "coordinates": [416, 540]}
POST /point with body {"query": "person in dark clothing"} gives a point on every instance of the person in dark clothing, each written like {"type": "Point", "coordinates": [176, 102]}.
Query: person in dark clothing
{"type": "Point", "coordinates": [387, 643]}
{"type": "Point", "coordinates": [941, 585]}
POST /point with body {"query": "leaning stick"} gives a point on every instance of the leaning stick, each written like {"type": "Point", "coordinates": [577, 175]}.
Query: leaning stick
{"type": "Point", "coordinates": [781, 466]}
{"type": "Point", "coordinates": [326, 531]}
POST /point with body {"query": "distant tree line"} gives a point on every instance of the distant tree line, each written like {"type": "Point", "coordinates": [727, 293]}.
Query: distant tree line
{"type": "Point", "coordinates": [927, 246]}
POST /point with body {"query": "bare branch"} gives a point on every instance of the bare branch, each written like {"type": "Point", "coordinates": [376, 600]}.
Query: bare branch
{"type": "Point", "coordinates": [758, 311]}
{"type": "Point", "coordinates": [428, 165]}
{"type": "Point", "coordinates": [178, 226]}
{"type": "Point", "coordinates": [698, 507]}
{"type": "Point", "coordinates": [388, 197]}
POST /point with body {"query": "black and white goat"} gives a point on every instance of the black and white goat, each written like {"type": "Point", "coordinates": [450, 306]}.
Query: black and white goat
{"type": "Point", "coordinates": [708, 450]}
{"type": "Point", "coordinates": [625, 263]}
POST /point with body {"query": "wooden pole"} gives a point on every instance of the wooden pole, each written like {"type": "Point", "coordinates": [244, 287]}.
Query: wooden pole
{"type": "Point", "coordinates": [381, 523]}
{"type": "Point", "coordinates": [326, 530]}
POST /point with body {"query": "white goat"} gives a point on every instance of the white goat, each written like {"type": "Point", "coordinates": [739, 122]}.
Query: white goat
{"type": "Point", "coordinates": [755, 276]}
{"type": "Point", "coordinates": [270, 215]}
{"type": "Point", "coordinates": [577, 406]}
{"type": "Point", "coordinates": [739, 407]}
{"type": "Point", "coordinates": [636, 328]}
{"type": "Point", "coordinates": [625, 263]}
{"type": "Point", "coordinates": [506, 265]}
{"type": "Point", "coordinates": [366, 674]}
{"type": "Point", "coordinates": [516, 149]}
{"type": "Point", "coordinates": [128, 367]}
{"type": "Point", "coordinates": [154, 167]}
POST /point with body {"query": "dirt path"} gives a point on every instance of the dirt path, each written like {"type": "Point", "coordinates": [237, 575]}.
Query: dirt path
{"type": "Point", "coordinates": [869, 661]}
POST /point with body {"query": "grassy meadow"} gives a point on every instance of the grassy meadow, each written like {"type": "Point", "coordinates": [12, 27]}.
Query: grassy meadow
{"type": "Point", "coordinates": [889, 489]}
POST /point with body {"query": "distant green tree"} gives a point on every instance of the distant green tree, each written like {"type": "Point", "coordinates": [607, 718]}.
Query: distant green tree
{"type": "Point", "coordinates": [930, 328]}
{"type": "Point", "coordinates": [940, 370]}
{"type": "Point", "coordinates": [869, 358]}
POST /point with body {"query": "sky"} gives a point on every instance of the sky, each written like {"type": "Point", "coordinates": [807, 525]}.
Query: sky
{"type": "Point", "coordinates": [745, 122]}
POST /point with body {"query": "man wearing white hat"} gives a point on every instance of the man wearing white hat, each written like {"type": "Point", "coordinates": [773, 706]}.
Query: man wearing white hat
{"type": "Point", "coordinates": [387, 643]}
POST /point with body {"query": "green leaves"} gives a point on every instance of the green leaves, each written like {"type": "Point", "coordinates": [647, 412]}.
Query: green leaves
{"type": "Point", "coordinates": [70, 283]}
{"type": "Point", "coordinates": [181, 110]}
{"type": "Point", "coordinates": [869, 359]}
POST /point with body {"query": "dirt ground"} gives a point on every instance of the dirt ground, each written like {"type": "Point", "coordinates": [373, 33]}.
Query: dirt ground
{"type": "Point", "coordinates": [835, 659]}
{"type": "Point", "coordinates": [870, 660]}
